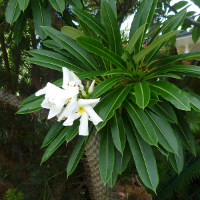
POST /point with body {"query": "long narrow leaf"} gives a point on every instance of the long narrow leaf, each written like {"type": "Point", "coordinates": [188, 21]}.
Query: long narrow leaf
{"type": "Point", "coordinates": [71, 46]}
{"type": "Point", "coordinates": [143, 156]}
{"type": "Point", "coordinates": [96, 47]}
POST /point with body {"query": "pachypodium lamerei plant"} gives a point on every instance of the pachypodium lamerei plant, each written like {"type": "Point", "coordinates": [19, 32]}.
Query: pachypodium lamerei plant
{"type": "Point", "coordinates": [132, 105]}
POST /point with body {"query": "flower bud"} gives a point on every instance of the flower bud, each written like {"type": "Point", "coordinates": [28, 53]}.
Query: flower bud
{"type": "Point", "coordinates": [91, 88]}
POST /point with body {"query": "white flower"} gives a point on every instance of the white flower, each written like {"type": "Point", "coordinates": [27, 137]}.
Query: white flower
{"type": "Point", "coordinates": [85, 112]}
{"type": "Point", "coordinates": [55, 97]}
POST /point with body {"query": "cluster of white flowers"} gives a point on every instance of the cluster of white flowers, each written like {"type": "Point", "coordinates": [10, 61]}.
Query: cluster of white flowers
{"type": "Point", "coordinates": [64, 103]}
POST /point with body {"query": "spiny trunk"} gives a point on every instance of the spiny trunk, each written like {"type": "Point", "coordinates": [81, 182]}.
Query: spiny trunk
{"type": "Point", "coordinates": [97, 190]}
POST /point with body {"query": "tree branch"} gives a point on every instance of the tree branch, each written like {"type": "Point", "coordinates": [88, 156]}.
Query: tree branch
{"type": "Point", "coordinates": [14, 101]}
{"type": "Point", "coordinates": [188, 20]}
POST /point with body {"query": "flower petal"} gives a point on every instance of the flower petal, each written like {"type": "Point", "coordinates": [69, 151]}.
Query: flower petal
{"type": "Point", "coordinates": [53, 111]}
{"type": "Point", "coordinates": [93, 115]}
{"type": "Point", "coordinates": [66, 74]}
{"type": "Point", "coordinates": [91, 102]}
{"type": "Point", "coordinates": [71, 118]}
{"type": "Point", "coordinates": [70, 108]}
{"type": "Point", "coordinates": [41, 92]}
{"type": "Point", "coordinates": [83, 128]}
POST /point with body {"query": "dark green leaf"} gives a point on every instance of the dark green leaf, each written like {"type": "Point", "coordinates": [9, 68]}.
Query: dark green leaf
{"type": "Point", "coordinates": [76, 154]}
{"type": "Point", "coordinates": [106, 155]}
{"type": "Point", "coordinates": [111, 27]}
{"type": "Point", "coordinates": [143, 156]}
{"type": "Point", "coordinates": [195, 102]}
{"type": "Point", "coordinates": [118, 132]}
{"type": "Point", "coordinates": [180, 5]}
{"type": "Point", "coordinates": [141, 16]}
{"type": "Point", "coordinates": [52, 133]}
{"type": "Point", "coordinates": [142, 94]}
{"type": "Point", "coordinates": [142, 123]}
{"type": "Point", "coordinates": [172, 59]}
{"type": "Point", "coordinates": [55, 144]}
{"type": "Point", "coordinates": [195, 32]}
{"type": "Point", "coordinates": [105, 86]}
{"type": "Point", "coordinates": [54, 60]}
{"type": "Point", "coordinates": [155, 44]}
{"type": "Point", "coordinates": [186, 135]}
{"type": "Point", "coordinates": [106, 108]}
{"type": "Point", "coordinates": [92, 22]}
{"type": "Point", "coordinates": [153, 99]}
{"type": "Point", "coordinates": [41, 17]}
{"type": "Point", "coordinates": [73, 48]}
{"type": "Point", "coordinates": [171, 93]}
{"type": "Point", "coordinates": [71, 32]}
{"type": "Point", "coordinates": [19, 27]}
{"type": "Point", "coordinates": [165, 133]}
{"type": "Point", "coordinates": [111, 182]}
{"type": "Point", "coordinates": [122, 160]}
{"type": "Point", "coordinates": [187, 70]}
{"type": "Point", "coordinates": [12, 11]}
{"type": "Point", "coordinates": [76, 3]}
{"type": "Point", "coordinates": [165, 111]}
{"type": "Point", "coordinates": [23, 4]}
{"type": "Point", "coordinates": [177, 161]}
{"type": "Point", "coordinates": [58, 5]}
{"type": "Point", "coordinates": [96, 47]}
{"type": "Point", "coordinates": [112, 5]}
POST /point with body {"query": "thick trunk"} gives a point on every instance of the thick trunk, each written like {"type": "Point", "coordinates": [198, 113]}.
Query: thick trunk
{"type": "Point", "coordinates": [97, 190]}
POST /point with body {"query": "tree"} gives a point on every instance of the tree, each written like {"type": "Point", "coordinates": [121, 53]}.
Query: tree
{"type": "Point", "coordinates": [133, 117]}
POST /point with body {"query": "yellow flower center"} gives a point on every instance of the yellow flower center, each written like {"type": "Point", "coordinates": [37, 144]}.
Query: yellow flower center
{"type": "Point", "coordinates": [81, 109]}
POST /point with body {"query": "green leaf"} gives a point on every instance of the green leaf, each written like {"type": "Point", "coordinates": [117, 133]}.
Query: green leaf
{"type": "Point", "coordinates": [118, 132]}
{"type": "Point", "coordinates": [121, 161]}
{"type": "Point", "coordinates": [96, 47]}
{"type": "Point", "coordinates": [73, 132]}
{"type": "Point", "coordinates": [143, 156]}
{"type": "Point", "coordinates": [172, 59]}
{"type": "Point", "coordinates": [196, 2]}
{"type": "Point", "coordinates": [130, 46]}
{"type": "Point", "coordinates": [112, 28]}
{"type": "Point", "coordinates": [30, 99]}
{"type": "Point", "coordinates": [52, 133]}
{"type": "Point", "coordinates": [19, 27]}
{"type": "Point", "coordinates": [41, 17]}
{"type": "Point", "coordinates": [23, 4]}
{"type": "Point", "coordinates": [76, 154]}
{"type": "Point", "coordinates": [179, 5]}
{"type": "Point", "coordinates": [58, 5]}
{"type": "Point", "coordinates": [105, 86]}
{"type": "Point", "coordinates": [112, 5]}
{"type": "Point", "coordinates": [54, 60]}
{"type": "Point", "coordinates": [55, 144]}
{"type": "Point", "coordinates": [155, 44]}
{"type": "Point", "coordinates": [116, 72]}
{"type": "Point", "coordinates": [186, 135]}
{"type": "Point", "coordinates": [195, 102]}
{"type": "Point", "coordinates": [106, 108]}
{"type": "Point", "coordinates": [165, 111]}
{"type": "Point", "coordinates": [142, 94]}
{"type": "Point", "coordinates": [71, 32]}
{"type": "Point", "coordinates": [141, 16]}
{"type": "Point", "coordinates": [76, 3]}
{"type": "Point", "coordinates": [172, 94]}
{"type": "Point", "coordinates": [73, 48]}
{"type": "Point", "coordinates": [142, 123]}
{"type": "Point", "coordinates": [153, 99]}
{"type": "Point", "coordinates": [177, 161]}
{"type": "Point", "coordinates": [111, 182]}
{"type": "Point", "coordinates": [31, 107]}
{"type": "Point", "coordinates": [92, 22]}
{"type": "Point", "coordinates": [195, 32]}
{"type": "Point", "coordinates": [12, 11]}
{"type": "Point", "coordinates": [106, 155]}
{"type": "Point", "coordinates": [165, 133]}
{"type": "Point", "coordinates": [187, 70]}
